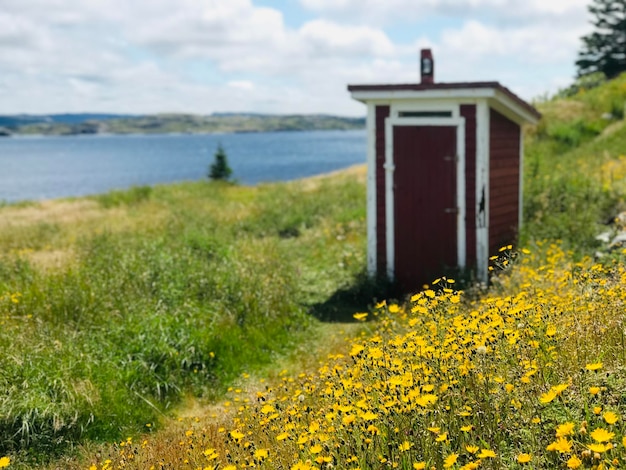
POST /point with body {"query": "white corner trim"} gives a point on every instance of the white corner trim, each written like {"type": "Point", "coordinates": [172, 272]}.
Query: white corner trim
{"type": "Point", "coordinates": [482, 191]}
{"type": "Point", "coordinates": [520, 202]}
{"type": "Point", "coordinates": [460, 195]}
{"type": "Point", "coordinates": [390, 123]}
{"type": "Point", "coordinates": [389, 203]}
{"type": "Point", "coordinates": [371, 190]}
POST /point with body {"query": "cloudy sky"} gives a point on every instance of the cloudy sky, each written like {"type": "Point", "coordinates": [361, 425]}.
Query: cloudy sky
{"type": "Point", "coordinates": [274, 56]}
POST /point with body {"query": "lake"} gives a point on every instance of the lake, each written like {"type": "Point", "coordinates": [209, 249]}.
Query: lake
{"type": "Point", "coordinates": [36, 168]}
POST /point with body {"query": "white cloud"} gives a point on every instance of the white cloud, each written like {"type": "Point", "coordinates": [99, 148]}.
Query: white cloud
{"type": "Point", "coordinates": [531, 44]}
{"type": "Point", "coordinates": [246, 85]}
{"type": "Point", "coordinates": [387, 10]}
{"type": "Point", "coordinates": [205, 55]}
{"type": "Point", "coordinates": [325, 37]}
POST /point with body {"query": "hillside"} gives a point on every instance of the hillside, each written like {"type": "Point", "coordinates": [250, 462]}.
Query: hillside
{"type": "Point", "coordinates": [575, 166]}
{"type": "Point", "coordinates": [158, 319]}
{"type": "Point", "coordinates": [65, 124]}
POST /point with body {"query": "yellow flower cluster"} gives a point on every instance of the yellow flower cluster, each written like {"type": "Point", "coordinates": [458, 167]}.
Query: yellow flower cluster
{"type": "Point", "coordinates": [509, 380]}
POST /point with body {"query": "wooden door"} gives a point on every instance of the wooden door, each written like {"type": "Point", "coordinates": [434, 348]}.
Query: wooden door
{"type": "Point", "coordinates": [425, 208]}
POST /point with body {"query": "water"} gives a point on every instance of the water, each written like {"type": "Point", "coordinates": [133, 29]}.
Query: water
{"type": "Point", "coordinates": [36, 168]}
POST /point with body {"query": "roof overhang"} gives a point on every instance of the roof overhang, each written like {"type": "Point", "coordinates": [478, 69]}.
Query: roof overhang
{"type": "Point", "coordinates": [499, 98]}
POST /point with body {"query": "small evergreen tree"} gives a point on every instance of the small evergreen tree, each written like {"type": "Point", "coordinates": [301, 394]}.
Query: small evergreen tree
{"type": "Point", "coordinates": [604, 49]}
{"type": "Point", "coordinates": [219, 169]}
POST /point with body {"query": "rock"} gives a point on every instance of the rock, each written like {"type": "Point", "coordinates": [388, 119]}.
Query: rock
{"type": "Point", "coordinates": [604, 237]}
{"type": "Point", "coordinates": [620, 239]}
{"type": "Point", "coordinates": [4, 132]}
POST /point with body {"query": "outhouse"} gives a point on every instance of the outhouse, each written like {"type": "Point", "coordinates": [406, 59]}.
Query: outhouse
{"type": "Point", "coordinates": [444, 184]}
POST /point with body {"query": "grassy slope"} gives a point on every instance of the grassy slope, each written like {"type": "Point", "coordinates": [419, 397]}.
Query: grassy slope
{"type": "Point", "coordinates": [528, 375]}
{"type": "Point", "coordinates": [575, 167]}
{"type": "Point", "coordinates": [572, 185]}
{"type": "Point", "coordinates": [116, 307]}
{"type": "Point", "coordinates": [485, 382]}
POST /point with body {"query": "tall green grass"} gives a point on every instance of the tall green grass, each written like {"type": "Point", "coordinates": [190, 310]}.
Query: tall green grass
{"type": "Point", "coordinates": [565, 195]}
{"type": "Point", "coordinates": [172, 292]}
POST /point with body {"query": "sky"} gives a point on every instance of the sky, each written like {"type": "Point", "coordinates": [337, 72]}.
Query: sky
{"type": "Point", "coordinates": [271, 56]}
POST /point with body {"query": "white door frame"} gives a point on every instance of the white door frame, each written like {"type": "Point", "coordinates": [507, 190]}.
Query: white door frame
{"type": "Point", "coordinates": [455, 120]}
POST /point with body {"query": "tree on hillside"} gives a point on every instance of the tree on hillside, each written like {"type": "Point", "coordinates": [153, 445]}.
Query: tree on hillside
{"type": "Point", "coordinates": [604, 50]}
{"type": "Point", "coordinates": [219, 169]}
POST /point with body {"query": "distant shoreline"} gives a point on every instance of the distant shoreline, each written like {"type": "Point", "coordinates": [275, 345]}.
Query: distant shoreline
{"type": "Point", "coordinates": [90, 124]}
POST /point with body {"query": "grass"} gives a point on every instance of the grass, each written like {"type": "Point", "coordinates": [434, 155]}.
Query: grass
{"type": "Point", "coordinates": [164, 298]}
{"type": "Point", "coordinates": [528, 376]}
{"type": "Point", "coordinates": [574, 167]}
{"type": "Point", "coordinates": [161, 294]}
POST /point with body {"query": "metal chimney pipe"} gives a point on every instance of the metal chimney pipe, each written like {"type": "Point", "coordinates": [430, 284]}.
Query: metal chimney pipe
{"type": "Point", "coordinates": [427, 66]}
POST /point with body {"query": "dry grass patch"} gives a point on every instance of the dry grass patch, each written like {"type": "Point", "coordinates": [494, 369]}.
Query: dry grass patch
{"type": "Point", "coordinates": [56, 211]}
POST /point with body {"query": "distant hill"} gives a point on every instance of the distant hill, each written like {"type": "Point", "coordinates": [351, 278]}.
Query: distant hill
{"type": "Point", "coordinates": [93, 123]}
{"type": "Point", "coordinates": [68, 118]}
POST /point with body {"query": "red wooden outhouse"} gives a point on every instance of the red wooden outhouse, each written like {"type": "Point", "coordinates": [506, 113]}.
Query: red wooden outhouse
{"type": "Point", "coordinates": [444, 185]}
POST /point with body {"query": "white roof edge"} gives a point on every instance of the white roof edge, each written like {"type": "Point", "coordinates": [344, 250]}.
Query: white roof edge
{"type": "Point", "coordinates": [454, 93]}
{"type": "Point", "coordinates": [506, 101]}
{"type": "Point", "coordinates": [495, 96]}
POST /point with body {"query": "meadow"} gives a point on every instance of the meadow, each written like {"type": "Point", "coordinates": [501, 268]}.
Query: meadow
{"type": "Point", "coordinates": [159, 320]}
{"type": "Point", "coordinates": [115, 308]}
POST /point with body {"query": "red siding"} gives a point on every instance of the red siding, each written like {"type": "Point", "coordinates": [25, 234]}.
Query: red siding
{"type": "Point", "coordinates": [468, 111]}
{"type": "Point", "coordinates": [382, 112]}
{"type": "Point", "coordinates": [504, 168]}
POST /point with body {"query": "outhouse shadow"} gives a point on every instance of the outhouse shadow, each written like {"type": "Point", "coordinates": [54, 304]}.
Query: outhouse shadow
{"type": "Point", "coordinates": [360, 296]}
{"type": "Point", "coordinates": [364, 293]}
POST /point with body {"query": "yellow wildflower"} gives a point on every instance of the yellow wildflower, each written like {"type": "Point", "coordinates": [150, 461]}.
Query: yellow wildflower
{"type": "Point", "coordinates": [419, 465]}
{"type": "Point", "coordinates": [601, 435]}
{"type": "Point", "coordinates": [561, 445]}
{"type": "Point", "coordinates": [316, 449]}
{"type": "Point", "coordinates": [524, 458]}
{"type": "Point", "coordinates": [348, 419]}
{"type": "Point", "coordinates": [547, 397]}
{"type": "Point", "coordinates": [302, 466]}
{"type": "Point", "coordinates": [594, 366]}
{"type": "Point", "coordinates": [406, 445]}
{"type": "Point", "coordinates": [610, 417]}
{"type": "Point", "coordinates": [450, 460]}
{"type": "Point", "coordinates": [594, 390]}
{"type": "Point", "coordinates": [599, 447]}
{"type": "Point", "coordinates": [486, 454]}
{"type": "Point", "coordinates": [574, 462]}
{"type": "Point", "coordinates": [558, 389]}
{"type": "Point", "coordinates": [5, 462]}
{"type": "Point", "coordinates": [369, 416]}
{"type": "Point", "coordinates": [565, 429]}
